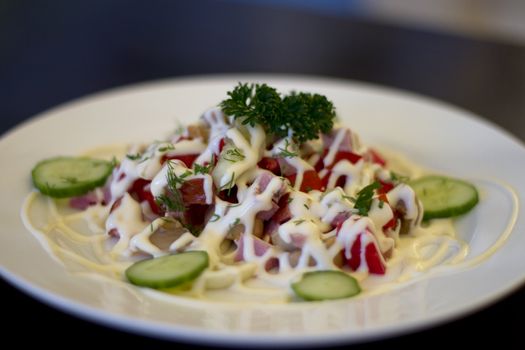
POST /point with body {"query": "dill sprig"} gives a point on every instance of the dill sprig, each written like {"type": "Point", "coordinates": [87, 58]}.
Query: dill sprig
{"type": "Point", "coordinates": [166, 147]}
{"type": "Point", "coordinates": [202, 169]}
{"type": "Point", "coordinates": [135, 156]}
{"type": "Point", "coordinates": [398, 178]}
{"type": "Point", "coordinates": [285, 152]}
{"type": "Point", "coordinates": [233, 155]}
{"type": "Point", "coordinates": [172, 199]}
{"type": "Point", "coordinates": [229, 185]}
{"type": "Point", "coordinates": [305, 114]}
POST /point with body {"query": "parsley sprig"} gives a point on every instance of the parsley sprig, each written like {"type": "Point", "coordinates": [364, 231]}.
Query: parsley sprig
{"type": "Point", "coordinates": [305, 114]}
{"type": "Point", "coordinates": [364, 198]}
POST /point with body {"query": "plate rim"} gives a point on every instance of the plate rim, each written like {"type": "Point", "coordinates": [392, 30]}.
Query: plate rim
{"type": "Point", "coordinates": [114, 320]}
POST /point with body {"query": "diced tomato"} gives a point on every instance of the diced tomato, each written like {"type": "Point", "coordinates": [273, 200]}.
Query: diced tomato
{"type": "Point", "coordinates": [339, 156]}
{"type": "Point", "coordinates": [343, 155]}
{"type": "Point", "coordinates": [355, 250]}
{"type": "Point", "coordinates": [375, 157]}
{"type": "Point", "coordinates": [374, 260]}
{"type": "Point", "coordinates": [385, 187]}
{"type": "Point", "coordinates": [391, 224]}
{"type": "Point", "coordinates": [270, 164]}
{"type": "Point", "coordinates": [193, 191]}
{"type": "Point", "coordinates": [141, 193]}
{"type": "Point", "coordinates": [221, 145]}
{"type": "Point", "coordinates": [341, 181]}
{"type": "Point", "coordinates": [187, 159]}
{"type": "Point", "coordinates": [320, 163]}
{"type": "Point", "coordinates": [311, 181]}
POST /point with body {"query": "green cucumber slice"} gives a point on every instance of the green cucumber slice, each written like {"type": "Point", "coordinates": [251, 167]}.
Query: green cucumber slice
{"type": "Point", "coordinates": [326, 285]}
{"type": "Point", "coordinates": [168, 271]}
{"type": "Point", "coordinates": [63, 177]}
{"type": "Point", "coordinates": [444, 197]}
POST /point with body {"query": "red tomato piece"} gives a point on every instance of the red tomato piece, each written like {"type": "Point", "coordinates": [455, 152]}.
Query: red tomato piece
{"type": "Point", "coordinates": [391, 224]}
{"type": "Point", "coordinates": [355, 250]}
{"type": "Point", "coordinates": [311, 181]}
{"type": "Point", "coordinates": [343, 155]}
{"type": "Point", "coordinates": [270, 164]}
{"type": "Point", "coordinates": [139, 191]}
{"type": "Point", "coordinates": [339, 156]}
{"type": "Point", "coordinates": [385, 187]}
{"type": "Point", "coordinates": [375, 157]}
{"type": "Point", "coordinates": [374, 260]}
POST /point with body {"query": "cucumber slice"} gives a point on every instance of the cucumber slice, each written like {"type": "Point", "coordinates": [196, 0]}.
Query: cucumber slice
{"type": "Point", "coordinates": [63, 177]}
{"type": "Point", "coordinates": [168, 271]}
{"type": "Point", "coordinates": [326, 285]}
{"type": "Point", "coordinates": [444, 197]}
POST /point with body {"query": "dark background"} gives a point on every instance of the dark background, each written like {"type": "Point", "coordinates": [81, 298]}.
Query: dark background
{"type": "Point", "coordinates": [54, 51]}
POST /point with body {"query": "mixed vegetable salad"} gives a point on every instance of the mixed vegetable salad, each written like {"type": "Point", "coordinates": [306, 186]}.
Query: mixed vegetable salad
{"type": "Point", "coordinates": [266, 185]}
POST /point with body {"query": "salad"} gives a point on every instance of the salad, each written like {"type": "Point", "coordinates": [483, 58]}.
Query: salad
{"type": "Point", "coordinates": [265, 191]}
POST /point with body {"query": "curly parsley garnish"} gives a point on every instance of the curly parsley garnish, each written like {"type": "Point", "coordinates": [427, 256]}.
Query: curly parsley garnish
{"type": "Point", "coordinates": [305, 114]}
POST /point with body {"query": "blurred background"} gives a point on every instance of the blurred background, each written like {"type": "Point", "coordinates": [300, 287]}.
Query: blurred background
{"type": "Point", "coordinates": [465, 52]}
{"type": "Point", "coordinates": [468, 52]}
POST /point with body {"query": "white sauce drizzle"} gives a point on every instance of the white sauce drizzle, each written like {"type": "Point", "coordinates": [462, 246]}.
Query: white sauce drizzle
{"type": "Point", "coordinates": [303, 237]}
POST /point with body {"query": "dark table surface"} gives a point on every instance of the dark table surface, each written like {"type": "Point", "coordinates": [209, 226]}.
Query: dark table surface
{"type": "Point", "coordinates": [53, 52]}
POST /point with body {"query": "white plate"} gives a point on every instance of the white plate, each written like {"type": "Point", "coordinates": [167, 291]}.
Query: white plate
{"type": "Point", "coordinates": [434, 135]}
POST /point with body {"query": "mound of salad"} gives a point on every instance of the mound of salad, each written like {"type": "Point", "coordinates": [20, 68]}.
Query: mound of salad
{"type": "Point", "coordinates": [265, 187]}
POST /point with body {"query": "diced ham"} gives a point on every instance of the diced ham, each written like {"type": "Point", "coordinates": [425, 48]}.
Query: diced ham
{"type": "Point", "coordinates": [193, 191]}
{"type": "Point", "coordinates": [346, 143]}
{"type": "Point", "coordinates": [267, 214]}
{"type": "Point", "coordinates": [260, 247]}
{"type": "Point", "coordinates": [83, 202]}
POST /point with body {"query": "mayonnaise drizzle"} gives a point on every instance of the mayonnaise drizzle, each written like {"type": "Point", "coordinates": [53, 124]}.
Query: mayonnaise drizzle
{"type": "Point", "coordinates": [307, 241]}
